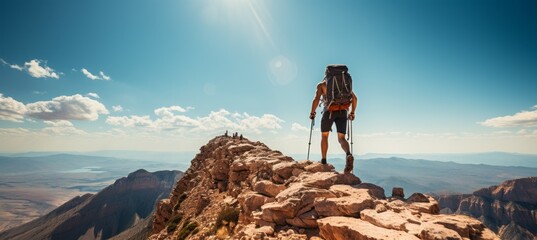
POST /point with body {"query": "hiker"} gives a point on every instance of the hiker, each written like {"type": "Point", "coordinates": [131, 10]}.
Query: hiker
{"type": "Point", "coordinates": [240, 137]}
{"type": "Point", "coordinates": [337, 97]}
{"type": "Point", "coordinates": [226, 134]}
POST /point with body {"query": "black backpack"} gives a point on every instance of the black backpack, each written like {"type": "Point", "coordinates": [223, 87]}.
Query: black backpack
{"type": "Point", "coordinates": [338, 87]}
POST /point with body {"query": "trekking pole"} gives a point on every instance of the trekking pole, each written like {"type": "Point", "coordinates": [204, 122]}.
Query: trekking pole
{"type": "Point", "coordinates": [309, 143]}
{"type": "Point", "coordinates": [348, 129]}
{"type": "Point", "coordinates": [351, 137]}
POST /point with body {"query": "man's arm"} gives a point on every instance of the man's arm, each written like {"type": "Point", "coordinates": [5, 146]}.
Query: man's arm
{"type": "Point", "coordinates": [354, 105]}
{"type": "Point", "coordinates": [316, 100]}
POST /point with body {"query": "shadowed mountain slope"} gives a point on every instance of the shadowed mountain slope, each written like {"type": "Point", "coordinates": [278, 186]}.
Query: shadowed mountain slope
{"type": "Point", "coordinates": [116, 208]}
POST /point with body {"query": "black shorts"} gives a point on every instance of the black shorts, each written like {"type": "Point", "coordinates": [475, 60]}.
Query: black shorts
{"type": "Point", "coordinates": [339, 117]}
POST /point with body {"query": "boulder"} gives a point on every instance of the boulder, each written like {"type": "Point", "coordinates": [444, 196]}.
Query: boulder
{"type": "Point", "coordinates": [348, 179]}
{"type": "Point", "coordinates": [220, 170]}
{"type": "Point", "coordinates": [319, 167]}
{"type": "Point", "coordinates": [388, 219]}
{"type": "Point", "coordinates": [293, 201]}
{"type": "Point", "coordinates": [251, 201]}
{"type": "Point", "coordinates": [278, 212]}
{"type": "Point", "coordinates": [238, 176]}
{"type": "Point", "coordinates": [465, 226]}
{"type": "Point", "coordinates": [418, 197]}
{"type": "Point", "coordinates": [306, 193]}
{"type": "Point", "coordinates": [285, 169]}
{"type": "Point", "coordinates": [336, 228]}
{"type": "Point", "coordinates": [243, 147]}
{"type": "Point", "coordinates": [305, 220]}
{"type": "Point", "coordinates": [374, 190]}
{"type": "Point", "coordinates": [430, 231]}
{"type": "Point", "coordinates": [268, 188]}
{"type": "Point", "coordinates": [319, 180]}
{"type": "Point", "coordinates": [424, 204]}
{"type": "Point", "coordinates": [396, 205]}
{"type": "Point", "coordinates": [398, 192]}
{"type": "Point", "coordinates": [344, 206]}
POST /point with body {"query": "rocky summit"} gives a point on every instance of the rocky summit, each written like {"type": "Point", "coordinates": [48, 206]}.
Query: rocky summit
{"type": "Point", "coordinates": [239, 189]}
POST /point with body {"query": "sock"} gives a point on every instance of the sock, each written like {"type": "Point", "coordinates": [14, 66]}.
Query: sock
{"type": "Point", "coordinates": [323, 160]}
{"type": "Point", "coordinates": [349, 153]}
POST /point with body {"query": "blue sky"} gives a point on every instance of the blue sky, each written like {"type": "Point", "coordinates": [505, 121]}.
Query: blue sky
{"type": "Point", "coordinates": [431, 76]}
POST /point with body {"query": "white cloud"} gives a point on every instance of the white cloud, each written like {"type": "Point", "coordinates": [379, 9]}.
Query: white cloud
{"type": "Point", "coordinates": [267, 121]}
{"type": "Point", "coordinates": [14, 131]}
{"type": "Point", "coordinates": [61, 127]}
{"type": "Point", "coordinates": [89, 75]}
{"type": "Point", "coordinates": [295, 127]}
{"type": "Point", "coordinates": [117, 108]}
{"type": "Point", "coordinates": [103, 76]}
{"type": "Point", "coordinates": [93, 95]}
{"type": "Point", "coordinates": [132, 121]}
{"type": "Point", "coordinates": [170, 118]}
{"type": "Point", "coordinates": [60, 123]}
{"type": "Point", "coordinates": [14, 66]}
{"type": "Point", "coordinates": [11, 109]}
{"type": "Point", "coordinates": [75, 107]}
{"type": "Point", "coordinates": [520, 119]}
{"type": "Point", "coordinates": [36, 70]}
{"type": "Point", "coordinates": [38, 92]}
{"type": "Point", "coordinates": [168, 111]}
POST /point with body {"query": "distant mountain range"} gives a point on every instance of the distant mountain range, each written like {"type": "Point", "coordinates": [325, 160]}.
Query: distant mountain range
{"type": "Point", "coordinates": [488, 158]}
{"type": "Point", "coordinates": [432, 176]}
{"type": "Point", "coordinates": [118, 207]}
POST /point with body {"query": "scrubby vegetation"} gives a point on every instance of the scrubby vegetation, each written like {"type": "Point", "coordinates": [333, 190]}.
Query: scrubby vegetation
{"type": "Point", "coordinates": [188, 229]}
{"type": "Point", "coordinates": [179, 201]}
{"type": "Point", "coordinates": [226, 221]}
{"type": "Point", "coordinates": [227, 216]}
{"type": "Point", "coordinates": [172, 224]}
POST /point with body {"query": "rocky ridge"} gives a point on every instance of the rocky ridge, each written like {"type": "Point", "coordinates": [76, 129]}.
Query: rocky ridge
{"type": "Point", "coordinates": [238, 189]}
{"type": "Point", "coordinates": [510, 209]}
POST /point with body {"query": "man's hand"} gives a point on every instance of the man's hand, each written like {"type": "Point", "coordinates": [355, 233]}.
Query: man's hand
{"type": "Point", "coordinates": [351, 116]}
{"type": "Point", "coordinates": [312, 115]}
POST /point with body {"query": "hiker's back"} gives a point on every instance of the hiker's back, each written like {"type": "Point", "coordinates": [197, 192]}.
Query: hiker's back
{"type": "Point", "coordinates": [338, 90]}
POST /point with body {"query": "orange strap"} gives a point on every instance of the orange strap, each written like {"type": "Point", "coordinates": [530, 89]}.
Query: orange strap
{"type": "Point", "coordinates": [338, 107]}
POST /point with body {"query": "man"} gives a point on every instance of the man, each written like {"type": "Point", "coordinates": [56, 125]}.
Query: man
{"type": "Point", "coordinates": [339, 117]}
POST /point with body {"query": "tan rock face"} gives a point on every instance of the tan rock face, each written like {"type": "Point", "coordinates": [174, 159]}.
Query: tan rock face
{"type": "Point", "coordinates": [267, 195]}
{"type": "Point", "coordinates": [430, 231]}
{"type": "Point", "coordinates": [349, 205]}
{"type": "Point", "coordinates": [352, 228]}
{"type": "Point", "coordinates": [511, 205]}
{"type": "Point", "coordinates": [388, 219]}
{"type": "Point", "coordinates": [319, 167]}
{"type": "Point", "coordinates": [268, 188]}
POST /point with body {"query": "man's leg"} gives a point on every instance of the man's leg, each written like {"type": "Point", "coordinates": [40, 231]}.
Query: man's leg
{"type": "Point", "coordinates": [326, 126]}
{"type": "Point", "coordinates": [341, 124]}
{"type": "Point", "coordinates": [324, 146]}
{"type": "Point", "coordinates": [343, 142]}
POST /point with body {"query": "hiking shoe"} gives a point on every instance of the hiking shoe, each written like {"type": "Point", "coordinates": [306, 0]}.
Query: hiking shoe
{"type": "Point", "coordinates": [323, 161]}
{"type": "Point", "coordinates": [349, 165]}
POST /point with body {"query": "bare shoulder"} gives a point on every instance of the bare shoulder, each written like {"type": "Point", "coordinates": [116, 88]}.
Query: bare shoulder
{"type": "Point", "coordinates": [321, 85]}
